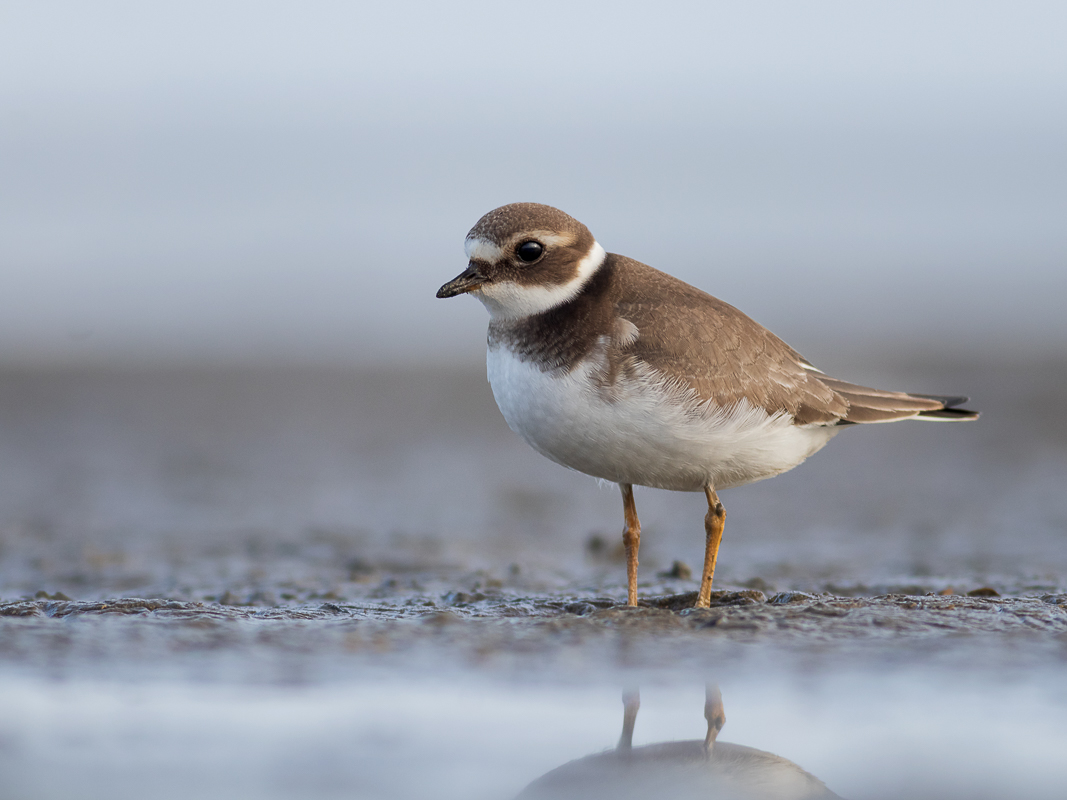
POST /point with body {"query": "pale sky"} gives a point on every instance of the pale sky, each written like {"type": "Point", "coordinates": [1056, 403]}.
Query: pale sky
{"type": "Point", "coordinates": [263, 180]}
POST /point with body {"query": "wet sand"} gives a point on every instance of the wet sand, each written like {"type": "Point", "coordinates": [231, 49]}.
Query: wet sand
{"type": "Point", "coordinates": [317, 528]}
{"type": "Point", "coordinates": [191, 484]}
{"type": "Point", "coordinates": [528, 637]}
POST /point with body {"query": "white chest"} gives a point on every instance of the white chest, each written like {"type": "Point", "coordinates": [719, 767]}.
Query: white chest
{"type": "Point", "coordinates": [640, 432]}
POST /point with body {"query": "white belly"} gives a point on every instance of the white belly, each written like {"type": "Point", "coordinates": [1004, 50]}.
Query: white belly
{"type": "Point", "coordinates": [640, 433]}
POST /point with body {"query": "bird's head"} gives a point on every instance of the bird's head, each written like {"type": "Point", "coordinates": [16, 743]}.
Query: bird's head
{"type": "Point", "coordinates": [524, 259]}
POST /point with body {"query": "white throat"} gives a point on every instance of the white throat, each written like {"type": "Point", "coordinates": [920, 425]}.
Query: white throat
{"type": "Point", "coordinates": [510, 300]}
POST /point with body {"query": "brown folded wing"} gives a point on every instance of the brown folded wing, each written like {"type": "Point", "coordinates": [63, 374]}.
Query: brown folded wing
{"type": "Point", "coordinates": [726, 357]}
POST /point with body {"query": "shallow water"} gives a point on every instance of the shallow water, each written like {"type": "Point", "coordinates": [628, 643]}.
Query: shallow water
{"type": "Point", "coordinates": [903, 732]}
{"type": "Point", "coordinates": [303, 583]}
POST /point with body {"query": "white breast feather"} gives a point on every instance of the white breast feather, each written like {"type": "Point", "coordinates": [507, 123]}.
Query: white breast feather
{"type": "Point", "coordinates": [645, 430]}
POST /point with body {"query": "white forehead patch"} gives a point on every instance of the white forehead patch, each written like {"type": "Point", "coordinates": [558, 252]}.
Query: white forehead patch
{"type": "Point", "coordinates": [481, 250]}
{"type": "Point", "coordinates": [510, 300]}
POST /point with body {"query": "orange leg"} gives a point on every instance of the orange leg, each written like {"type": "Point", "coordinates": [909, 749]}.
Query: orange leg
{"type": "Point", "coordinates": [714, 522]}
{"type": "Point", "coordinates": [631, 540]}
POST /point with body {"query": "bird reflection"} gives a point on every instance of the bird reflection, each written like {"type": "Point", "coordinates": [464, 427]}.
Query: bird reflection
{"type": "Point", "coordinates": [679, 770]}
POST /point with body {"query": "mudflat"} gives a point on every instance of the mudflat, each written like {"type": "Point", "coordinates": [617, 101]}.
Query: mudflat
{"type": "Point", "coordinates": [331, 530]}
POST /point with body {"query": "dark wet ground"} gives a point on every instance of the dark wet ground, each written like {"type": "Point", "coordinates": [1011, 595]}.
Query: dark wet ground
{"type": "Point", "coordinates": [258, 573]}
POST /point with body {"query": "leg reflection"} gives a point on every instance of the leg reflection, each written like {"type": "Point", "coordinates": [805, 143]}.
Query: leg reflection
{"type": "Point", "coordinates": [680, 770]}
{"type": "Point", "coordinates": [631, 702]}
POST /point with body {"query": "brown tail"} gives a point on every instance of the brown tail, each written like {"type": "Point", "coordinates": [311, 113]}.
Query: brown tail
{"type": "Point", "coordinates": [875, 405]}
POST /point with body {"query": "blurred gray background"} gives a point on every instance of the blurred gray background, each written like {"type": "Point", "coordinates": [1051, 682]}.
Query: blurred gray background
{"type": "Point", "coordinates": [222, 224]}
{"type": "Point", "coordinates": [283, 182]}
{"type": "Point", "coordinates": [213, 189]}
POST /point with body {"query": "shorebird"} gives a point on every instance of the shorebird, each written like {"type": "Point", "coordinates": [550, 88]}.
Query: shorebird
{"type": "Point", "coordinates": [681, 770]}
{"type": "Point", "coordinates": [615, 369]}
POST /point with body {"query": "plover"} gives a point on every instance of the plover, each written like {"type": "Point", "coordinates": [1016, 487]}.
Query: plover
{"type": "Point", "coordinates": [678, 769]}
{"type": "Point", "coordinates": [615, 369]}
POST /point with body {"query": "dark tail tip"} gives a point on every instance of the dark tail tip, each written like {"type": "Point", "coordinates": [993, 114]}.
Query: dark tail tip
{"type": "Point", "coordinates": [958, 414]}
{"type": "Point", "coordinates": [950, 411]}
{"type": "Point", "coordinates": [946, 400]}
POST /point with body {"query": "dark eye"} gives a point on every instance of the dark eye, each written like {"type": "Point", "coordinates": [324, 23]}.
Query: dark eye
{"type": "Point", "coordinates": [529, 251]}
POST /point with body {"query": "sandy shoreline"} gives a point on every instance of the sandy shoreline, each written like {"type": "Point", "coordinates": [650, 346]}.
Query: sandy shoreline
{"type": "Point", "coordinates": [308, 581]}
